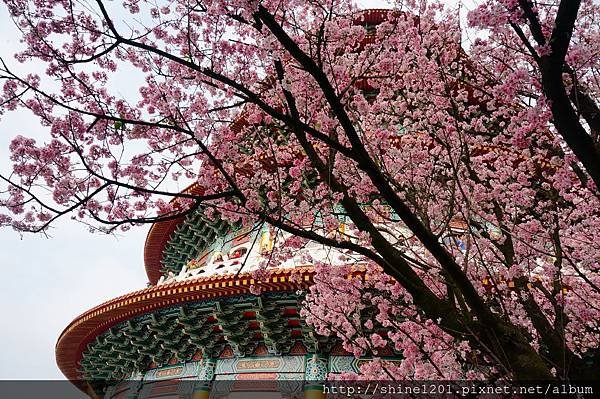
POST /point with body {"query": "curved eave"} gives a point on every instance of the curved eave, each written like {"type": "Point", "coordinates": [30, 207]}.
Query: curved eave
{"type": "Point", "coordinates": [81, 331]}
{"type": "Point", "coordinates": [158, 237]}
{"type": "Point", "coordinates": [156, 241]}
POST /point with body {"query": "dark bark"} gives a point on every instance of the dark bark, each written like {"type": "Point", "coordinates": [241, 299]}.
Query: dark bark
{"type": "Point", "coordinates": [552, 67]}
{"type": "Point", "coordinates": [567, 121]}
{"type": "Point", "coordinates": [588, 109]}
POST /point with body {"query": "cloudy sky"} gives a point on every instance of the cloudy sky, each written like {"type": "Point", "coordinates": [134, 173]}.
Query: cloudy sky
{"type": "Point", "coordinates": [46, 282]}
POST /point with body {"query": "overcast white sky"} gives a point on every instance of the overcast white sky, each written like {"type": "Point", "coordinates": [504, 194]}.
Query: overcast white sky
{"type": "Point", "coordinates": [48, 282]}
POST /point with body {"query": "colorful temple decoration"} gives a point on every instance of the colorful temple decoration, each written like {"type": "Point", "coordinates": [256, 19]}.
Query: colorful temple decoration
{"type": "Point", "coordinates": [200, 324]}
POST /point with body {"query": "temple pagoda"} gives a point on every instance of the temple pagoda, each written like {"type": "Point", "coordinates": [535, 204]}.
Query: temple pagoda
{"type": "Point", "coordinates": [200, 323]}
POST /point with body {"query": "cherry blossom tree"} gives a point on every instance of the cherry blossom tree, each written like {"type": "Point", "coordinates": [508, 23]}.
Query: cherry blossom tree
{"type": "Point", "coordinates": [457, 164]}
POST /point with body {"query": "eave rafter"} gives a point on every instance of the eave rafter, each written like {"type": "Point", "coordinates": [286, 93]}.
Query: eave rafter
{"type": "Point", "coordinates": [189, 238]}
{"type": "Point", "coordinates": [178, 332]}
{"type": "Point", "coordinates": [192, 301]}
